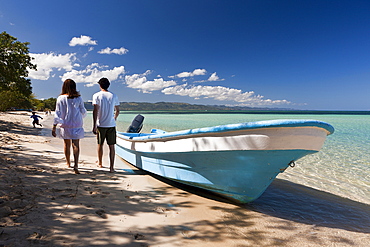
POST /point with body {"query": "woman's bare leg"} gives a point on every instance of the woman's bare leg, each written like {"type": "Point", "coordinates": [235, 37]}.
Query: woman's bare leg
{"type": "Point", "coordinates": [76, 154]}
{"type": "Point", "coordinates": [67, 151]}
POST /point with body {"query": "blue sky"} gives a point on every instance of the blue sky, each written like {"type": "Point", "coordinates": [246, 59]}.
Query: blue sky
{"type": "Point", "coordinates": [287, 54]}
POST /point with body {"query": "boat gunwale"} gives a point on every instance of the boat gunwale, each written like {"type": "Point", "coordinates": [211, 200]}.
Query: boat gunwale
{"type": "Point", "coordinates": [229, 128]}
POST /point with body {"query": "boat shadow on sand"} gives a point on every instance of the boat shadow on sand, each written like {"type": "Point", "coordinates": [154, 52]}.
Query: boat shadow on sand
{"type": "Point", "coordinates": [299, 203]}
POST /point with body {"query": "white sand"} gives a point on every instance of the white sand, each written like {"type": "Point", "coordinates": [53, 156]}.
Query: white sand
{"type": "Point", "coordinates": [42, 203]}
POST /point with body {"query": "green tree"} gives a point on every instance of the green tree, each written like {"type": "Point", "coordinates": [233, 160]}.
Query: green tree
{"type": "Point", "coordinates": [50, 103]}
{"type": "Point", "coordinates": [36, 103]}
{"type": "Point", "coordinates": [43, 105]}
{"type": "Point", "coordinates": [14, 62]}
{"type": "Point", "coordinates": [13, 99]}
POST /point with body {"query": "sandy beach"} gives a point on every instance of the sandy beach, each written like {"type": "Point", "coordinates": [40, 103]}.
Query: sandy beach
{"type": "Point", "coordinates": [43, 203]}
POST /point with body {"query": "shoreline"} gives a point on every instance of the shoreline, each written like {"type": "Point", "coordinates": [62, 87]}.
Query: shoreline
{"type": "Point", "coordinates": [42, 203]}
{"type": "Point", "coordinates": [257, 112]}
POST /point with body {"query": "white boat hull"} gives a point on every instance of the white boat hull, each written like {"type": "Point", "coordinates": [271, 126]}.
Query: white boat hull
{"type": "Point", "coordinates": [235, 161]}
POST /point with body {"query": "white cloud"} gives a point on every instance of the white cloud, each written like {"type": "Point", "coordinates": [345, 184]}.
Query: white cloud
{"type": "Point", "coordinates": [46, 62]}
{"type": "Point", "coordinates": [96, 65]}
{"type": "Point", "coordinates": [93, 73]}
{"type": "Point", "coordinates": [83, 40]}
{"type": "Point", "coordinates": [214, 77]}
{"type": "Point", "coordinates": [197, 72]}
{"type": "Point", "coordinates": [108, 50]}
{"type": "Point", "coordinates": [190, 74]}
{"type": "Point", "coordinates": [222, 94]}
{"type": "Point", "coordinates": [140, 82]}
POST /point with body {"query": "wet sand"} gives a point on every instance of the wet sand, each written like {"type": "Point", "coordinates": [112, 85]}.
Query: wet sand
{"type": "Point", "coordinates": [43, 203]}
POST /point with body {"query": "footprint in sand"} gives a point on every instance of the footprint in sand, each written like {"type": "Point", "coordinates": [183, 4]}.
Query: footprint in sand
{"type": "Point", "coordinates": [104, 194]}
{"type": "Point", "coordinates": [166, 211]}
{"type": "Point", "coordinates": [139, 236]}
{"type": "Point", "coordinates": [34, 236]}
{"type": "Point", "coordinates": [87, 188]}
{"type": "Point", "coordinates": [161, 210]}
{"type": "Point", "coordinates": [188, 232]}
{"type": "Point", "coordinates": [94, 193]}
{"type": "Point", "coordinates": [101, 213]}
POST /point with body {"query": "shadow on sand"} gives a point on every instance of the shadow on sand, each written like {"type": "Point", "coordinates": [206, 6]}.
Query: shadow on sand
{"type": "Point", "coordinates": [299, 203]}
{"type": "Point", "coordinates": [73, 209]}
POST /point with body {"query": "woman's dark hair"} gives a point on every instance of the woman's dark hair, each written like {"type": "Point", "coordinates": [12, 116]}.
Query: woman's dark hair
{"type": "Point", "coordinates": [69, 88]}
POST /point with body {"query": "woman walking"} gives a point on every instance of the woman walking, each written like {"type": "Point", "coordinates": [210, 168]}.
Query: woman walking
{"type": "Point", "coordinates": [69, 114]}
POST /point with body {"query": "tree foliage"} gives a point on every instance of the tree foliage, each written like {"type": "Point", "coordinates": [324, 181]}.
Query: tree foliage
{"type": "Point", "coordinates": [13, 99]}
{"type": "Point", "coordinates": [44, 105]}
{"type": "Point", "coordinates": [50, 103]}
{"type": "Point", "coordinates": [15, 88]}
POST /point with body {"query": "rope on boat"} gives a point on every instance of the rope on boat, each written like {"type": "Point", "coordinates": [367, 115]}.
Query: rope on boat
{"type": "Point", "coordinates": [291, 164]}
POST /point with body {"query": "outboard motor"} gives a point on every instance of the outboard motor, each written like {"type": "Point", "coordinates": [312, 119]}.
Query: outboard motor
{"type": "Point", "coordinates": [136, 124]}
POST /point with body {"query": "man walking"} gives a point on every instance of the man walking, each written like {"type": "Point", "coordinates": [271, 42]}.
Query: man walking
{"type": "Point", "coordinates": [105, 113]}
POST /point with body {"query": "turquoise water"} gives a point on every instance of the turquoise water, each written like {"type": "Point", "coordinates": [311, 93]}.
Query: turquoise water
{"type": "Point", "coordinates": [341, 168]}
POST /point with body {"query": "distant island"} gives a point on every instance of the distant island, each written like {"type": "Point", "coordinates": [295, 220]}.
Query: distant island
{"type": "Point", "coordinates": [176, 107]}
{"type": "Point", "coordinates": [181, 107]}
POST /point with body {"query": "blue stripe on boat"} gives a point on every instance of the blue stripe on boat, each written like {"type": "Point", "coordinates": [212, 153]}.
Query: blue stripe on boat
{"type": "Point", "coordinates": [282, 123]}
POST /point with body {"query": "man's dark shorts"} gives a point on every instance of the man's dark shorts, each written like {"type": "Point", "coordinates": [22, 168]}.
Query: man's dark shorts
{"type": "Point", "coordinates": [107, 133]}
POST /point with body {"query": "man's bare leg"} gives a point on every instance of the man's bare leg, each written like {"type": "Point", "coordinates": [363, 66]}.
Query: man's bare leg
{"type": "Point", "coordinates": [112, 154]}
{"type": "Point", "coordinates": [100, 155]}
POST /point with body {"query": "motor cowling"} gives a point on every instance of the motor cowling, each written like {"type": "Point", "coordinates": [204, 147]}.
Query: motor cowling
{"type": "Point", "coordinates": [136, 124]}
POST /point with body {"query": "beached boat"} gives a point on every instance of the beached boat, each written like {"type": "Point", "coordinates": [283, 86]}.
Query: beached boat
{"type": "Point", "coordinates": [237, 161]}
